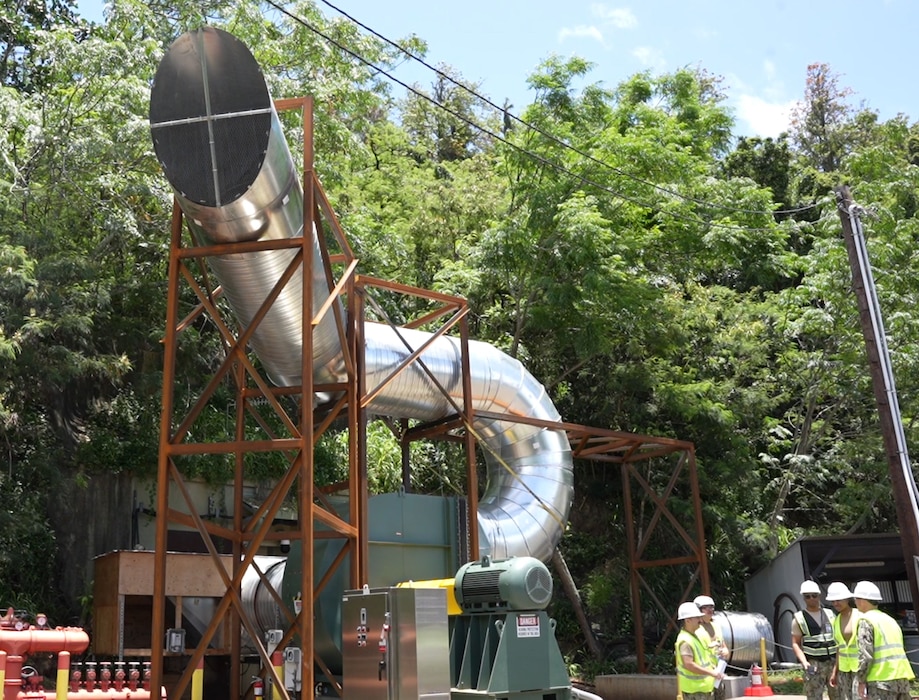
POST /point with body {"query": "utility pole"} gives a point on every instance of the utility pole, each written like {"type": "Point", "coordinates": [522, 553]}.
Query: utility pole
{"type": "Point", "coordinates": [905, 492]}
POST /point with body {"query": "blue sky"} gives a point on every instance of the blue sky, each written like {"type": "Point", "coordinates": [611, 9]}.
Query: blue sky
{"type": "Point", "coordinates": [761, 49]}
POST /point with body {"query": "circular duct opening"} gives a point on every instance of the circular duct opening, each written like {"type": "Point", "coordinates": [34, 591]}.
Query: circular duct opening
{"type": "Point", "coordinates": [210, 116]}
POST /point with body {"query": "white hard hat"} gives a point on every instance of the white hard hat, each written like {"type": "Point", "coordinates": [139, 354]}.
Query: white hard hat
{"type": "Point", "coordinates": [810, 587]}
{"type": "Point", "coordinates": [867, 591]}
{"type": "Point", "coordinates": [701, 600]}
{"type": "Point", "coordinates": [688, 610]}
{"type": "Point", "coordinates": [838, 591]}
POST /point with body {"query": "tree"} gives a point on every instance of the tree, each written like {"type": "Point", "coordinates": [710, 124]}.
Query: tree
{"type": "Point", "coordinates": [765, 161]}
{"type": "Point", "coordinates": [822, 125]}
{"type": "Point", "coordinates": [450, 122]}
{"type": "Point", "coordinates": [21, 22]}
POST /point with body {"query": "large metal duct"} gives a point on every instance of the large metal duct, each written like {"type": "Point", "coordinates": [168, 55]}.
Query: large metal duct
{"type": "Point", "coordinates": [219, 140]}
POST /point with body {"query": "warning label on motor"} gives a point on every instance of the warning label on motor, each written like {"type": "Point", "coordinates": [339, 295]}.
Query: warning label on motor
{"type": "Point", "coordinates": [527, 625]}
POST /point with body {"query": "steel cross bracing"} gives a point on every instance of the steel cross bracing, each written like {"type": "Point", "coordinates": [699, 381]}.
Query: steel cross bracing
{"type": "Point", "coordinates": [265, 410]}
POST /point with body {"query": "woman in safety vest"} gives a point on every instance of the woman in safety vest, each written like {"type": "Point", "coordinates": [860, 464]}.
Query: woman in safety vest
{"type": "Point", "coordinates": [883, 671]}
{"type": "Point", "coordinates": [711, 635]}
{"type": "Point", "coordinates": [845, 632]}
{"type": "Point", "coordinates": [695, 670]}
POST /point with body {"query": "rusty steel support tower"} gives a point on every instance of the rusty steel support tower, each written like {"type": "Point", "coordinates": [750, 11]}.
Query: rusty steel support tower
{"type": "Point", "coordinates": [265, 423]}
{"type": "Point", "coordinates": [260, 410]}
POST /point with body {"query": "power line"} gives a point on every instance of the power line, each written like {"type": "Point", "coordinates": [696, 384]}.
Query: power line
{"type": "Point", "coordinates": [554, 138]}
{"type": "Point", "coordinates": [528, 153]}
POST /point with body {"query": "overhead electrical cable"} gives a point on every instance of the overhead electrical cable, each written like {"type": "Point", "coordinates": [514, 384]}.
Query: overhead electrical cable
{"type": "Point", "coordinates": [552, 137]}
{"type": "Point", "coordinates": [535, 156]}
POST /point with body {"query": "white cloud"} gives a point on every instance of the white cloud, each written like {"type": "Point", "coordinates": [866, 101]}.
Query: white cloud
{"type": "Point", "coordinates": [582, 31]}
{"type": "Point", "coordinates": [619, 17]}
{"type": "Point", "coordinates": [764, 118]}
{"type": "Point", "coordinates": [649, 56]}
{"type": "Point", "coordinates": [704, 33]}
{"type": "Point", "coordinates": [736, 84]}
{"type": "Point", "coordinates": [769, 70]}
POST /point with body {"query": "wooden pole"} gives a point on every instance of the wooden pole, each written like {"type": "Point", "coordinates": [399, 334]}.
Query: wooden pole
{"type": "Point", "coordinates": [906, 497]}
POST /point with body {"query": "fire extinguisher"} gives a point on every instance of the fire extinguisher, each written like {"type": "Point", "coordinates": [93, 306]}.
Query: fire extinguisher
{"type": "Point", "coordinates": [258, 687]}
{"type": "Point", "coordinates": [756, 675]}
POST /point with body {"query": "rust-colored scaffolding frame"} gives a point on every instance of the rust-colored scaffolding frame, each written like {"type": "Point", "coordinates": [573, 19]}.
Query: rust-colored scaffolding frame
{"type": "Point", "coordinates": [628, 450]}
{"type": "Point", "coordinates": [254, 394]}
{"type": "Point", "coordinates": [297, 443]}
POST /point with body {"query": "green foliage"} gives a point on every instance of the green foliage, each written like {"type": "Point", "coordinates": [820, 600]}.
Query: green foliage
{"type": "Point", "coordinates": [28, 552]}
{"type": "Point", "coordinates": [621, 244]}
{"type": "Point", "coordinates": [765, 161]}
{"type": "Point", "coordinates": [435, 468]}
{"type": "Point", "coordinates": [22, 67]}
{"type": "Point", "coordinates": [786, 682]}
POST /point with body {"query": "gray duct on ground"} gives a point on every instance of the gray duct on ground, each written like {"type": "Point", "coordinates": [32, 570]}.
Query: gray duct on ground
{"type": "Point", "coordinates": [219, 141]}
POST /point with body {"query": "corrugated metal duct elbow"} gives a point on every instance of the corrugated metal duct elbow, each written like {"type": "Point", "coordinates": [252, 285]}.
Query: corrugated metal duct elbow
{"type": "Point", "coordinates": [220, 143]}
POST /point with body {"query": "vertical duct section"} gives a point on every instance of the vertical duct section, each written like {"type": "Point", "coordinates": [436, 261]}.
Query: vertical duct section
{"type": "Point", "coordinates": [219, 141]}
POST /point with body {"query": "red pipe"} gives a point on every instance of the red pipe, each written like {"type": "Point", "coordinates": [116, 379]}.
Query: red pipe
{"type": "Point", "coordinates": [91, 695]}
{"type": "Point", "coordinates": [15, 644]}
{"type": "Point", "coordinates": [12, 685]}
{"type": "Point", "coordinates": [34, 640]}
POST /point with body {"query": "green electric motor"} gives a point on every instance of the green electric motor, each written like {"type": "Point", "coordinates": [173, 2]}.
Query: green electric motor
{"type": "Point", "coordinates": [503, 646]}
{"type": "Point", "coordinates": [518, 583]}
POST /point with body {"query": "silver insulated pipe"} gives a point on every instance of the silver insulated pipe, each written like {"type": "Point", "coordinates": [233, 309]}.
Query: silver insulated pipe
{"type": "Point", "coordinates": [219, 141]}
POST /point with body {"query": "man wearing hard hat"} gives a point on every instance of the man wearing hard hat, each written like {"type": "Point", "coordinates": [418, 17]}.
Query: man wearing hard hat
{"type": "Point", "coordinates": [812, 642]}
{"type": "Point", "coordinates": [845, 634]}
{"type": "Point", "coordinates": [695, 667]}
{"type": "Point", "coordinates": [711, 635]}
{"type": "Point", "coordinates": [883, 671]}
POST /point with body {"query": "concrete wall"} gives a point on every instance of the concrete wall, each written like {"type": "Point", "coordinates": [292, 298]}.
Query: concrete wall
{"type": "Point", "coordinates": [648, 687]}
{"type": "Point", "coordinates": [88, 519]}
{"type": "Point", "coordinates": [109, 513]}
{"type": "Point", "coordinates": [632, 686]}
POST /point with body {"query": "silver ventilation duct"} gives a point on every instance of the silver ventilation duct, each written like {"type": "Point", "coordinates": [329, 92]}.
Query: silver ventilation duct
{"type": "Point", "coordinates": [218, 138]}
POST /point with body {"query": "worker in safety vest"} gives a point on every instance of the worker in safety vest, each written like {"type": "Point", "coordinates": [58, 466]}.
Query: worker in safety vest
{"type": "Point", "coordinates": [883, 671]}
{"type": "Point", "coordinates": [845, 634]}
{"type": "Point", "coordinates": [812, 642]}
{"type": "Point", "coordinates": [711, 635]}
{"type": "Point", "coordinates": [695, 668]}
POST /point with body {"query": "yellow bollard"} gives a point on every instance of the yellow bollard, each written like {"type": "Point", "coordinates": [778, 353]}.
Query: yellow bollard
{"type": "Point", "coordinates": [197, 681]}
{"type": "Point", "coordinates": [762, 660]}
{"type": "Point", "coordinates": [63, 675]}
{"type": "Point", "coordinates": [277, 660]}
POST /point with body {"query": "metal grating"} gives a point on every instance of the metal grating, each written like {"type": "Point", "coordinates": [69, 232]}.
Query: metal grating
{"type": "Point", "coordinates": [210, 135]}
{"type": "Point", "coordinates": [539, 585]}
{"type": "Point", "coordinates": [481, 587]}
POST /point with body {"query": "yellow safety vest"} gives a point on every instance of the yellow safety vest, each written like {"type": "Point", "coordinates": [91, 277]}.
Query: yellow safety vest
{"type": "Point", "coordinates": [713, 644]}
{"type": "Point", "coordinates": [847, 652]}
{"type": "Point", "coordinates": [818, 646]}
{"type": "Point", "coordinates": [889, 662]}
{"type": "Point", "coordinates": [689, 681]}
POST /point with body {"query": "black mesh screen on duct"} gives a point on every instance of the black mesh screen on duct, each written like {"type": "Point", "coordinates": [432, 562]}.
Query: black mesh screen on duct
{"type": "Point", "coordinates": [209, 84]}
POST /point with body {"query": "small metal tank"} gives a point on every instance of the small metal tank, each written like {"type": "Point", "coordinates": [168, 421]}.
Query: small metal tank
{"type": "Point", "coordinates": [742, 633]}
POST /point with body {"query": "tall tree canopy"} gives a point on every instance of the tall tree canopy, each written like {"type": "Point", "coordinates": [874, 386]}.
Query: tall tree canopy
{"type": "Point", "coordinates": [656, 273]}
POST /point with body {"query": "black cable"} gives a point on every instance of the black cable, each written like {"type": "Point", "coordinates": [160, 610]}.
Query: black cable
{"type": "Point", "coordinates": [530, 154]}
{"type": "Point", "coordinates": [554, 138]}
